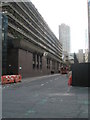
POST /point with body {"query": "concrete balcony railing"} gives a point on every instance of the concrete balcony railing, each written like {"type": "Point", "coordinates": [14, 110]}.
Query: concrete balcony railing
{"type": "Point", "coordinates": [34, 20]}
{"type": "Point", "coordinates": [34, 28]}
{"type": "Point", "coordinates": [21, 32]}
{"type": "Point", "coordinates": [26, 28]}
{"type": "Point", "coordinates": [41, 45]}
{"type": "Point", "coordinates": [55, 53]}
{"type": "Point", "coordinates": [38, 26]}
{"type": "Point", "coordinates": [22, 25]}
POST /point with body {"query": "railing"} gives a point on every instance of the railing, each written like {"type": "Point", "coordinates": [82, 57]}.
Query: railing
{"type": "Point", "coordinates": [30, 24]}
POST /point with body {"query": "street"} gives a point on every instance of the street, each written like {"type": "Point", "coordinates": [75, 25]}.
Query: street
{"type": "Point", "coordinates": [44, 97]}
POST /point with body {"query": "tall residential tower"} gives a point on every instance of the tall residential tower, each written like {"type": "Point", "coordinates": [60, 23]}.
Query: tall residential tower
{"type": "Point", "coordinates": [64, 38]}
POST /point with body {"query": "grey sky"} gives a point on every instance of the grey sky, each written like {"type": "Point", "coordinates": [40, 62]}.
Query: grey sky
{"type": "Point", "coordinates": [70, 12]}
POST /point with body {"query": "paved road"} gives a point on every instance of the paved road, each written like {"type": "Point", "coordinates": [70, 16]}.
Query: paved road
{"type": "Point", "coordinates": [44, 97]}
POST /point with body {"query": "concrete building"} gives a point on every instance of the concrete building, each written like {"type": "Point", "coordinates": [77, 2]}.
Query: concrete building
{"type": "Point", "coordinates": [86, 55]}
{"type": "Point", "coordinates": [64, 38]}
{"type": "Point", "coordinates": [30, 47]}
{"type": "Point", "coordinates": [71, 58]}
{"type": "Point", "coordinates": [86, 46]}
{"type": "Point", "coordinates": [81, 56]}
{"type": "Point", "coordinates": [89, 31]}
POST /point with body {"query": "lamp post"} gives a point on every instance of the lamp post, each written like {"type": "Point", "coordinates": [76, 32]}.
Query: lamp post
{"type": "Point", "coordinates": [4, 43]}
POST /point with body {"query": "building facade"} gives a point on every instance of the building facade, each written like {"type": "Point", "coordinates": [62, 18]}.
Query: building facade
{"type": "Point", "coordinates": [80, 56]}
{"type": "Point", "coordinates": [71, 58]}
{"type": "Point", "coordinates": [30, 47]}
{"type": "Point", "coordinates": [89, 31]}
{"type": "Point", "coordinates": [64, 38]}
{"type": "Point", "coordinates": [86, 55]}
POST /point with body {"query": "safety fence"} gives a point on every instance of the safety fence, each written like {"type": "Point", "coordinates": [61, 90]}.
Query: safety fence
{"type": "Point", "coordinates": [6, 79]}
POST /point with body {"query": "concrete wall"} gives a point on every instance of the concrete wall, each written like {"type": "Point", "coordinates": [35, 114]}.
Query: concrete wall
{"type": "Point", "coordinates": [12, 63]}
{"type": "Point", "coordinates": [25, 65]}
{"type": "Point", "coordinates": [25, 62]}
{"type": "Point", "coordinates": [21, 62]}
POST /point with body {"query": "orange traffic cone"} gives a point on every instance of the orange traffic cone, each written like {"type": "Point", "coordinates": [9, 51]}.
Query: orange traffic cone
{"type": "Point", "coordinates": [70, 80]}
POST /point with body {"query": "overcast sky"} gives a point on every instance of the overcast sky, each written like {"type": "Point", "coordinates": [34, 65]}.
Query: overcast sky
{"type": "Point", "coordinates": [69, 12]}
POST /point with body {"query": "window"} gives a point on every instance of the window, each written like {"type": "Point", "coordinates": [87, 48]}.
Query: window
{"type": "Point", "coordinates": [40, 62]}
{"type": "Point", "coordinates": [34, 60]}
{"type": "Point", "coordinates": [57, 65]}
{"type": "Point", "coordinates": [48, 63]}
{"type": "Point", "coordinates": [53, 64]}
{"type": "Point", "coordinates": [37, 61]}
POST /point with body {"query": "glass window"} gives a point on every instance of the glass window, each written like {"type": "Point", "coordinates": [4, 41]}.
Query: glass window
{"type": "Point", "coordinates": [34, 61]}
{"type": "Point", "coordinates": [40, 62]}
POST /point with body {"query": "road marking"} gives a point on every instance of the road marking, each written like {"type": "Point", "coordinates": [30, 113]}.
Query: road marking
{"type": "Point", "coordinates": [62, 94]}
{"type": "Point", "coordinates": [51, 80]}
{"type": "Point", "coordinates": [69, 89]}
{"type": "Point", "coordinates": [36, 95]}
{"type": "Point", "coordinates": [30, 112]}
{"type": "Point", "coordinates": [61, 100]}
{"type": "Point", "coordinates": [56, 78]}
{"type": "Point", "coordinates": [42, 84]}
{"type": "Point", "coordinates": [86, 102]}
{"type": "Point", "coordinates": [43, 101]}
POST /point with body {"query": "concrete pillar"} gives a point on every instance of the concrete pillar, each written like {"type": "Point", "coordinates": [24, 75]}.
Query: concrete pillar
{"type": "Point", "coordinates": [0, 64]}
{"type": "Point", "coordinates": [0, 44]}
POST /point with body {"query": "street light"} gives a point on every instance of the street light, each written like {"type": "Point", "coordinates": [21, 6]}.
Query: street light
{"type": "Point", "coordinates": [45, 53]}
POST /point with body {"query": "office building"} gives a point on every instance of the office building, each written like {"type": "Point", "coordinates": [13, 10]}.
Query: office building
{"type": "Point", "coordinates": [30, 47]}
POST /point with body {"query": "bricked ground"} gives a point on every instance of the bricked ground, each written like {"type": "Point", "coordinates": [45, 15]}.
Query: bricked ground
{"type": "Point", "coordinates": [44, 97]}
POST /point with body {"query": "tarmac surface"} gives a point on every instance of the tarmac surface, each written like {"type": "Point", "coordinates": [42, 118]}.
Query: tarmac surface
{"type": "Point", "coordinates": [44, 97]}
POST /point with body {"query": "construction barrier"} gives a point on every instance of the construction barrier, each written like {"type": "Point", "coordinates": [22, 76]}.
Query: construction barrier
{"type": "Point", "coordinates": [18, 78]}
{"type": "Point", "coordinates": [70, 80]}
{"type": "Point", "coordinates": [5, 79]}
{"type": "Point", "coordinates": [10, 79]}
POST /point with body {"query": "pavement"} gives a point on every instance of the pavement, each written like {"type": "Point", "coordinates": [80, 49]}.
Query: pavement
{"type": "Point", "coordinates": [44, 97]}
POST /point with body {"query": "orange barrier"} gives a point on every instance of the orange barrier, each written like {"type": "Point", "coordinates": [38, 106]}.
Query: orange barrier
{"type": "Point", "coordinates": [5, 79]}
{"type": "Point", "coordinates": [70, 80]}
{"type": "Point", "coordinates": [18, 78]}
{"type": "Point", "coordinates": [10, 79]}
